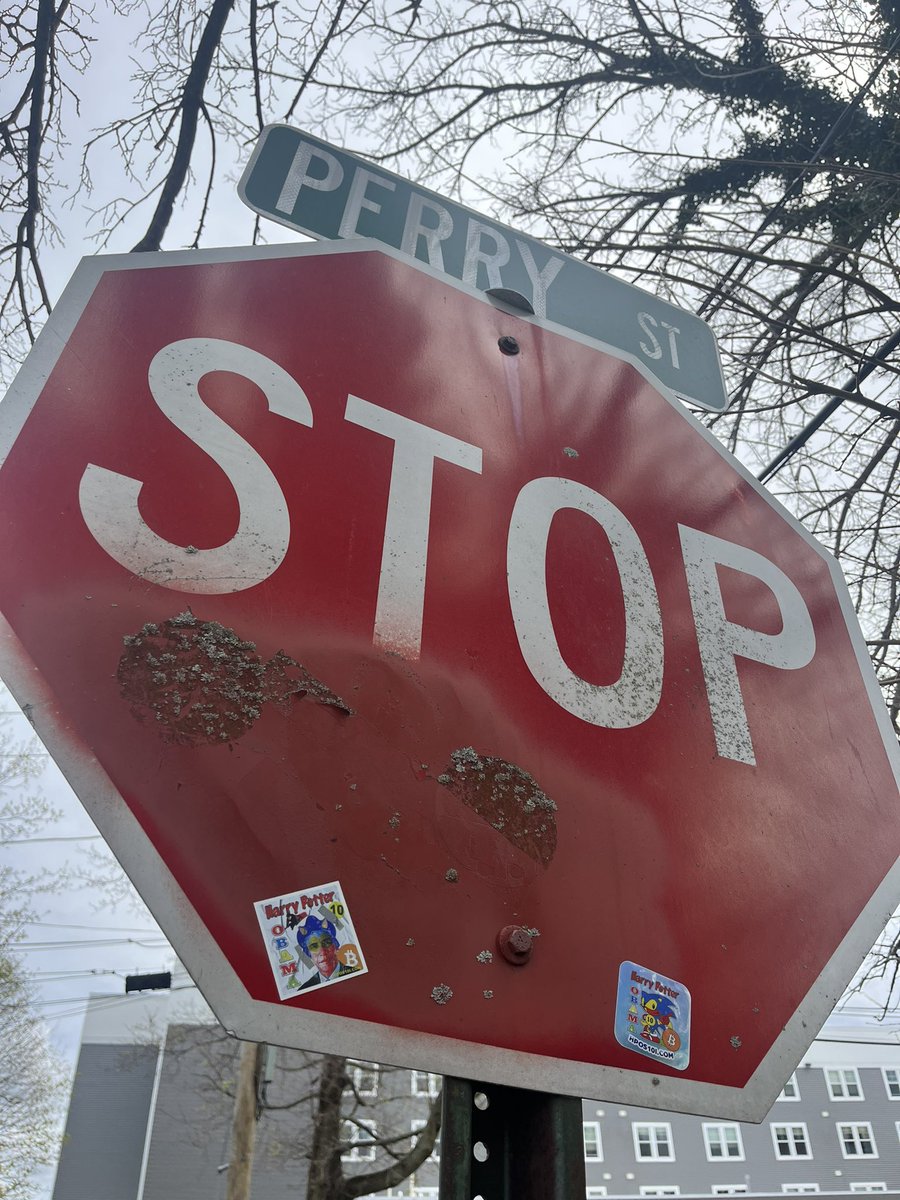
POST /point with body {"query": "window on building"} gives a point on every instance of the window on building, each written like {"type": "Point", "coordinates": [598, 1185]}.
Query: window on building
{"type": "Point", "coordinates": [653, 1141]}
{"type": "Point", "coordinates": [843, 1083]}
{"type": "Point", "coordinates": [424, 1193]}
{"type": "Point", "coordinates": [891, 1082]}
{"type": "Point", "coordinates": [594, 1191]}
{"type": "Point", "coordinates": [791, 1141]}
{"type": "Point", "coordinates": [365, 1079]}
{"type": "Point", "coordinates": [730, 1189]}
{"type": "Point", "coordinates": [361, 1136]}
{"type": "Point", "coordinates": [723, 1141]}
{"type": "Point", "coordinates": [791, 1090]}
{"type": "Point", "coordinates": [868, 1187]}
{"type": "Point", "coordinates": [660, 1189]}
{"type": "Point", "coordinates": [424, 1084]}
{"type": "Point", "coordinates": [416, 1127]}
{"type": "Point", "coordinates": [799, 1189]}
{"type": "Point", "coordinates": [593, 1147]}
{"type": "Point", "coordinates": [857, 1139]}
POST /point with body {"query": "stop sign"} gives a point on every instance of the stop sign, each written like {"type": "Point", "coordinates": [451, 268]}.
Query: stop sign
{"type": "Point", "coordinates": [450, 694]}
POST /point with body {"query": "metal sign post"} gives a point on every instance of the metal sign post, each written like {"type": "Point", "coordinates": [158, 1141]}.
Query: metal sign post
{"type": "Point", "coordinates": [505, 1143]}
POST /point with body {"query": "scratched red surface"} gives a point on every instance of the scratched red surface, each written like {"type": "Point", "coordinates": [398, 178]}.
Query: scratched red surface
{"type": "Point", "coordinates": [738, 881]}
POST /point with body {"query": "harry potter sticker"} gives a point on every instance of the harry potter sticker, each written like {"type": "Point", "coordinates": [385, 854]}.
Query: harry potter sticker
{"type": "Point", "coordinates": [653, 1015]}
{"type": "Point", "coordinates": [310, 939]}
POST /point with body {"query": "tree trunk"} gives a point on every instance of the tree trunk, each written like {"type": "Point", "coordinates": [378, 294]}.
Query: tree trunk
{"type": "Point", "coordinates": [243, 1126]}
{"type": "Point", "coordinates": [324, 1161]}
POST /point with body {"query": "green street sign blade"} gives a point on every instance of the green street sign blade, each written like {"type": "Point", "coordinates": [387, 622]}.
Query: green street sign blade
{"type": "Point", "coordinates": [321, 190]}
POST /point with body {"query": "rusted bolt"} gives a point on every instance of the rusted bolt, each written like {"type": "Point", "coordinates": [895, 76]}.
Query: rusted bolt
{"type": "Point", "coordinates": [515, 944]}
{"type": "Point", "coordinates": [508, 345]}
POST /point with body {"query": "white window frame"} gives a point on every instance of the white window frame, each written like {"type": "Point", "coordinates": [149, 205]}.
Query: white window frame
{"type": "Point", "coordinates": [842, 1082]}
{"type": "Point", "coordinates": [594, 1128]}
{"type": "Point", "coordinates": [659, 1189]}
{"type": "Point", "coordinates": [857, 1138]}
{"type": "Point", "coordinates": [351, 1134]}
{"type": "Point", "coordinates": [800, 1189]}
{"type": "Point", "coordinates": [416, 1126]}
{"type": "Point", "coordinates": [717, 1134]}
{"type": "Point", "coordinates": [791, 1089]}
{"type": "Point", "coordinates": [657, 1130]}
{"type": "Point", "coordinates": [730, 1189]}
{"type": "Point", "coordinates": [792, 1153]}
{"type": "Point", "coordinates": [431, 1193]}
{"type": "Point", "coordinates": [424, 1083]}
{"type": "Point", "coordinates": [891, 1077]}
{"type": "Point", "coordinates": [594, 1191]}
{"type": "Point", "coordinates": [859, 1186]}
{"type": "Point", "coordinates": [359, 1072]}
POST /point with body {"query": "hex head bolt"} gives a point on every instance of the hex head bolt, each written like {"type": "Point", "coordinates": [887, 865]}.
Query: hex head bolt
{"type": "Point", "coordinates": [515, 944]}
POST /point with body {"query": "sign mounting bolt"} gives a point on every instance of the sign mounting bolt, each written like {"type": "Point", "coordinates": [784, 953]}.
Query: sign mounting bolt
{"type": "Point", "coordinates": [515, 944]}
{"type": "Point", "coordinates": [508, 345]}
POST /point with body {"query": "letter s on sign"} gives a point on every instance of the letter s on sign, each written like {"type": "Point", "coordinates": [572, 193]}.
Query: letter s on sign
{"type": "Point", "coordinates": [109, 501]}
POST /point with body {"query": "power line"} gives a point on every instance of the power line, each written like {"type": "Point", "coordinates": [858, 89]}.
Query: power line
{"type": "Point", "coordinates": [76, 837]}
{"type": "Point", "coordinates": [101, 928]}
{"type": "Point", "coordinates": [157, 944]}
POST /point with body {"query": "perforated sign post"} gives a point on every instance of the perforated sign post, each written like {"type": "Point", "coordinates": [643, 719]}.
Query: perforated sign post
{"type": "Point", "coordinates": [450, 694]}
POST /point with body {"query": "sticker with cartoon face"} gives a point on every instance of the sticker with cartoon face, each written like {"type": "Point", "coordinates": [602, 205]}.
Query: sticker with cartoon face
{"type": "Point", "coordinates": [310, 939]}
{"type": "Point", "coordinates": [653, 1015]}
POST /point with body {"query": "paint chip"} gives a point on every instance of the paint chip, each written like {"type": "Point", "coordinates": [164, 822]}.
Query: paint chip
{"type": "Point", "coordinates": [507, 797]}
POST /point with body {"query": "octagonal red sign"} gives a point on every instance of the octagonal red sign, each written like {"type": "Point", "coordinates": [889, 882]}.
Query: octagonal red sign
{"type": "Point", "coordinates": [370, 619]}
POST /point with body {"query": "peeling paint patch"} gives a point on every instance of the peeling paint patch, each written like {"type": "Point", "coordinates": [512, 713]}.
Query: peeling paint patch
{"type": "Point", "coordinates": [484, 956]}
{"type": "Point", "coordinates": [507, 797]}
{"type": "Point", "coordinates": [451, 875]}
{"type": "Point", "coordinates": [199, 682]}
{"type": "Point", "coordinates": [442, 993]}
{"type": "Point", "coordinates": [488, 994]}
{"type": "Point", "coordinates": [285, 678]}
{"type": "Point", "coordinates": [394, 820]}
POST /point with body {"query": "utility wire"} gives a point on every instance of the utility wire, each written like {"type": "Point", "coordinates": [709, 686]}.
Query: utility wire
{"type": "Point", "coordinates": [100, 928]}
{"type": "Point", "coordinates": [75, 837]}
{"type": "Point", "coordinates": [155, 944]}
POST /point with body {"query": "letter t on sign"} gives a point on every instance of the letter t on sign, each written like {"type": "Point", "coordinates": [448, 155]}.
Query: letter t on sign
{"type": "Point", "coordinates": [401, 584]}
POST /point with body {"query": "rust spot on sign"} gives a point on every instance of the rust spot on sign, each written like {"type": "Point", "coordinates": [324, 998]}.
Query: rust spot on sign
{"type": "Point", "coordinates": [507, 797]}
{"type": "Point", "coordinates": [199, 682]}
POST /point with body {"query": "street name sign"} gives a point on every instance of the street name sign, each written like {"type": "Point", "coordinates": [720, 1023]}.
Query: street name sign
{"type": "Point", "coordinates": [326, 192]}
{"type": "Point", "coordinates": [450, 694]}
